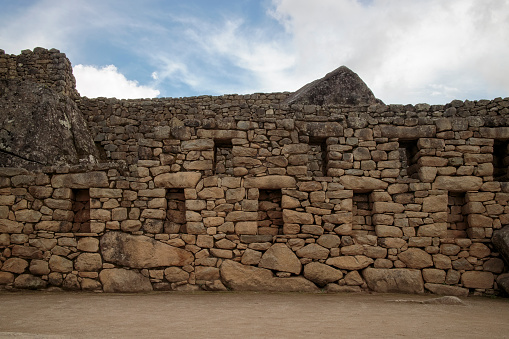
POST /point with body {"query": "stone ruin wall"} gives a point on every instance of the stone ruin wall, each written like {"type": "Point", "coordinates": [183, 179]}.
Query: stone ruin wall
{"type": "Point", "coordinates": [242, 192]}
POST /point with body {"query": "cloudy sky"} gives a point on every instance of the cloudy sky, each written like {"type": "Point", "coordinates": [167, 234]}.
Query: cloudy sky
{"type": "Point", "coordinates": [407, 51]}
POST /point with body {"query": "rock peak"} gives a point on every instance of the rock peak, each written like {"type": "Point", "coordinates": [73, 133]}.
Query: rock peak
{"type": "Point", "coordinates": [341, 87]}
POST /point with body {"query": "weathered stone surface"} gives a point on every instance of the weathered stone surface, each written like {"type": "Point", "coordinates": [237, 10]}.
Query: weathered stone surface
{"type": "Point", "coordinates": [6, 278]}
{"type": "Point", "coordinates": [405, 132]}
{"type": "Point", "coordinates": [270, 182]}
{"type": "Point", "coordinates": [239, 277]}
{"type": "Point", "coordinates": [121, 280]}
{"type": "Point", "coordinates": [329, 241]}
{"type": "Point", "coordinates": [80, 180]}
{"type": "Point", "coordinates": [88, 262]}
{"type": "Point", "coordinates": [435, 203]}
{"type": "Point", "coordinates": [280, 258]}
{"type": "Point", "coordinates": [175, 274]}
{"type": "Point", "coordinates": [341, 86]}
{"type": "Point", "coordinates": [477, 279]}
{"type": "Point", "coordinates": [9, 226]}
{"type": "Point", "coordinates": [321, 274]}
{"type": "Point", "coordinates": [457, 184]}
{"type": "Point", "coordinates": [294, 217]}
{"type": "Point", "coordinates": [416, 258]}
{"type": "Point", "coordinates": [141, 251]}
{"type": "Point", "coordinates": [60, 264]}
{"type": "Point", "coordinates": [350, 263]}
{"type": "Point", "coordinates": [313, 251]}
{"type": "Point", "coordinates": [46, 127]}
{"type": "Point", "coordinates": [29, 281]}
{"type": "Point", "coordinates": [398, 280]}
{"type": "Point", "coordinates": [15, 265]}
{"type": "Point", "coordinates": [442, 289]}
{"type": "Point", "coordinates": [501, 242]}
{"type": "Point", "coordinates": [39, 267]}
{"type": "Point", "coordinates": [177, 180]}
{"type": "Point", "coordinates": [362, 184]}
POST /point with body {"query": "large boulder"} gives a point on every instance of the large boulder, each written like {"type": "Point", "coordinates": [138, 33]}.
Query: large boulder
{"type": "Point", "coordinates": [321, 274]}
{"type": "Point", "coordinates": [341, 87]}
{"type": "Point", "coordinates": [42, 127]}
{"type": "Point", "coordinates": [121, 280]}
{"type": "Point", "coordinates": [280, 258]}
{"type": "Point", "coordinates": [138, 251]}
{"type": "Point", "coordinates": [501, 242]}
{"type": "Point", "coordinates": [240, 277]}
{"type": "Point", "coordinates": [399, 280]}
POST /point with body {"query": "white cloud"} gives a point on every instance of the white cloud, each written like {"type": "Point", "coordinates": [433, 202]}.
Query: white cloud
{"type": "Point", "coordinates": [401, 48]}
{"type": "Point", "coordinates": [106, 81]}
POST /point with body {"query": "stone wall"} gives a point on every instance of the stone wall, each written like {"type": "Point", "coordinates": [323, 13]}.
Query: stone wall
{"type": "Point", "coordinates": [243, 192]}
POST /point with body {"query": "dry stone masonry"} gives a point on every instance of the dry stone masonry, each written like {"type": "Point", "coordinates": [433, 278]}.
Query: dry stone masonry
{"type": "Point", "coordinates": [263, 192]}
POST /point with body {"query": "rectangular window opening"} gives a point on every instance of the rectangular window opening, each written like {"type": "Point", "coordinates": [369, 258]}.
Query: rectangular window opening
{"type": "Point", "coordinates": [317, 164]}
{"type": "Point", "coordinates": [223, 156]}
{"type": "Point", "coordinates": [457, 222]}
{"type": "Point", "coordinates": [362, 207]}
{"type": "Point", "coordinates": [176, 212]}
{"type": "Point", "coordinates": [270, 215]}
{"type": "Point", "coordinates": [408, 151]}
{"type": "Point", "coordinates": [81, 210]}
{"type": "Point", "coordinates": [500, 160]}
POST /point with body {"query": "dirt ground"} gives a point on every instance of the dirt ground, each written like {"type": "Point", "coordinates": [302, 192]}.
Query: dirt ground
{"type": "Point", "coordinates": [247, 315]}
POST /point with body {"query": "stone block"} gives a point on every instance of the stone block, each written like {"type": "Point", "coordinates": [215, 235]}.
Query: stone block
{"type": "Point", "coordinates": [271, 182]}
{"type": "Point", "coordinates": [457, 184]}
{"type": "Point", "coordinates": [122, 280]}
{"type": "Point", "coordinates": [477, 279]}
{"type": "Point", "coordinates": [280, 258]}
{"type": "Point", "coordinates": [362, 184]}
{"type": "Point", "coordinates": [398, 280]}
{"type": "Point", "coordinates": [80, 180]}
{"type": "Point", "coordinates": [177, 180]}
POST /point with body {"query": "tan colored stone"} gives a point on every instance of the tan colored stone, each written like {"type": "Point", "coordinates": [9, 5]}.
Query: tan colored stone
{"type": "Point", "coordinates": [141, 251]}
{"type": "Point", "coordinates": [280, 258]}
{"type": "Point", "coordinates": [362, 184]}
{"type": "Point", "coordinates": [80, 180]}
{"type": "Point", "coordinates": [479, 220]}
{"type": "Point", "coordinates": [416, 258]}
{"type": "Point", "coordinates": [39, 267]}
{"type": "Point", "coordinates": [404, 132]}
{"type": "Point", "coordinates": [398, 280]}
{"type": "Point", "coordinates": [6, 278]}
{"type": "Point", "coordinates": [479, 250]}
{"type": "Point", "coordinates": [338, 218]}
{"type": "Point", "coordinates": [240, 277]}
{"type": "Point", "coordinates": [477, 279]}
{"type": "Point", "coordinates": [388, 231]}
{"type": "Point", "coordinates": [88, 262]}
{"type": "Point", "coordinates": [433, 275]}
{"type": "Point", "coordinates": [60, 264]}
{"type": "Point", "coordinates": [294, 217]}
{"type": "Point", "coordinates": [457, 184]}
{"type": "Point", "coordinates": [435, 203]}
{"type": "Point", "coordinates": [246, 227]}
{"type": "Point", "coordinates": [177, 180]}
{"type": "Point", "coordinates": [387, 207]}
{"type": "Point", "coordinates": [433, 230]}
{"type": "Point", "coordinates": [9, 226]}
{"type": "Point", "coordinates": [329, 241]}
{"type": "Point", "coordinates": [28, 281]}
{"type": "Point", "coordinates": [321, 274]}
{"type": "Point", "coordinates": [313, 251]}
{"type": "Point", "coordinates": [211, 193]}
{"type": "Point", "coordinates": [175, 274]}
{"type": "Point", "coordinates": [442, 289]}
{"type": "Point", "coordinates": [251, 257]}
{"type": "Point", "coordinates": [122, 280]}
{"type": "Point", "coordinates": [207, 273]}
{"type": "Point", "coordinates": [351, 263]}
{"type": "Point", "coordinates": [15, 265]}
{"type": "Point", "coordinates": [271, 182]}
{"type": "Point", "coordinates": [28, 216]}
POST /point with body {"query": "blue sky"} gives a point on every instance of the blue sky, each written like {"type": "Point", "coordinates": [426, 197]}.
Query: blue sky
{"type": "Point", "coordinates": [407, 51]}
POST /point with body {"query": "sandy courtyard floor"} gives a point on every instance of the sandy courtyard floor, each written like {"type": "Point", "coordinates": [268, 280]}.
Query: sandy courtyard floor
{"type": "Point", "coordinates": [246, 315]}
